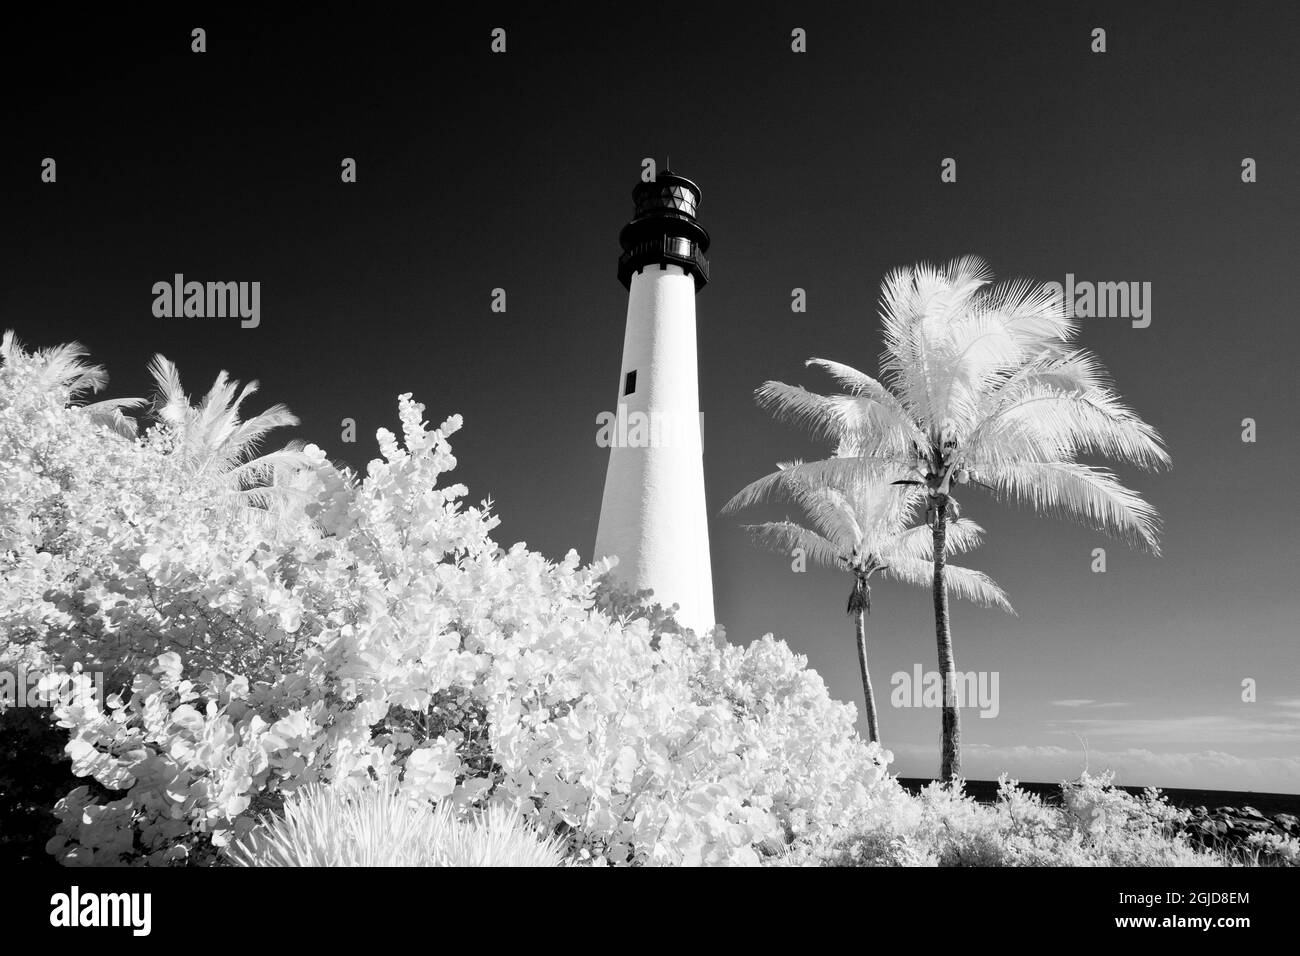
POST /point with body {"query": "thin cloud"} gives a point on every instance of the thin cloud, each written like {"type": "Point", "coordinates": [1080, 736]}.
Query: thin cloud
{"type": "Point", "coordinates": [1089, 703]}
{"type": "Point", "coordinates": [1200, 729]}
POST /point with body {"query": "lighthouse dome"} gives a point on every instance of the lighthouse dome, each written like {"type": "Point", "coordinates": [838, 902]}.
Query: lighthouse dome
{"type": "Point", "coordinates": [667, 195]}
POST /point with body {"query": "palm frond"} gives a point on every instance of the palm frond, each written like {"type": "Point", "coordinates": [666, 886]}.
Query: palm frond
{"type": "Point", "coordinates": [11, 348]}
{"type": "Point", "coordinates": [1047, 422]}
{"type": "Point", "coordinates": [974, 586]}
{"type": "Point", "coordinates": [1030, 312]}
{"type": "Point", "coordinates": [108, 413]}
{"type": "Point", "coordinates": [172, 403]}
{"type": "Point", "coordinates": [830, 511]}
{"type": "Point", "coordinates": [836, 418]}
{"type": "Point", "coordinates": [1092, 496]}
{"type": "Point", "coordinates": [783, 537]}
{"type": "Point", "coordinates": [918, 542]}
{"type": "Point", "coordinates": [60, 367]}
{"type": "Point", "coordinates": [264, 468]}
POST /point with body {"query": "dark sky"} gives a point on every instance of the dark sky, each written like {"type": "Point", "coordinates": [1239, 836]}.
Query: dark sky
{"type": "Point", "coordinates": [819, 171]}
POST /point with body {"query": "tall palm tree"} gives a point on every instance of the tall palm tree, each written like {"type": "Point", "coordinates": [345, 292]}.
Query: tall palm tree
{"type": "Point", "coordinates": [981, 387]}
{"type": "Point", "coordinates": [212, 443]}
{"type": "Point", "coordinates": [864, 526]}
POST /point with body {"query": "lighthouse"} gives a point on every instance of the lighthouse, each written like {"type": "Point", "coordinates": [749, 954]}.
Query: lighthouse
{"type": "Point", "coordinates": [652, 514]}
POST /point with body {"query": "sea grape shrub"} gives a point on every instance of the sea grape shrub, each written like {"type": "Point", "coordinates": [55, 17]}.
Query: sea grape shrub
{"type": "Point", "coordinates": [626, 604]}
{"type": "Point", "coordinates": [1097, 825]}
{"type": "Point", "coordinates": [367, 628]}
{"type": "Point", "coordinates": [113, 552]}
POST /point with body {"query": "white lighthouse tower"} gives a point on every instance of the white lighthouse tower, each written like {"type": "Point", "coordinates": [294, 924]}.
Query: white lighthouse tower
{"type": "Point", "coordinates": [652, 515]}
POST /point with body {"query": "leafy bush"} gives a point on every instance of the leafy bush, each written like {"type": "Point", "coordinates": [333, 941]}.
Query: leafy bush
{"type": "Point", "coordinates": [340, 629]}
{"type": "Point", "coordinates": [373, 826]}
{"type": "Point", "coordinates": [1097, 825]}
{"type": "Point", "coordinates": [1272, 849]}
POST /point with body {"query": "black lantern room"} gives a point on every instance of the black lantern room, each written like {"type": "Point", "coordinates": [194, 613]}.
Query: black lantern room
{"type": "Point", "coordinates": [664, 230]}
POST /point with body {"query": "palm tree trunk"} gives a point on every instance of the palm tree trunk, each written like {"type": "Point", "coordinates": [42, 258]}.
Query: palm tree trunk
{"type": "Point", "coordinates": [951, 744]}
{"type": "Point", "coordinates": [873, 728]}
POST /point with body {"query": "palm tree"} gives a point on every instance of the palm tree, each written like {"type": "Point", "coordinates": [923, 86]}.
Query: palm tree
{"type": "Point", "coordinates": [981, 387]}
{"type": "Point", "coordinates": [63, 368]}
{"type": "Point", "coordinates": [211, 443]}
{"type": "Point", "coordinates": [862, 526]}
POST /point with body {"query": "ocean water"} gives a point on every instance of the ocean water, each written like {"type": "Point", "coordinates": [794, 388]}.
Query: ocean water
{"type": "Point", "coordinates": [1268, 803]}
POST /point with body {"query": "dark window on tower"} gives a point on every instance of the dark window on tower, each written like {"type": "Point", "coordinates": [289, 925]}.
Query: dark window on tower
{"type": "Point", "coordinates": [629, 383]}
